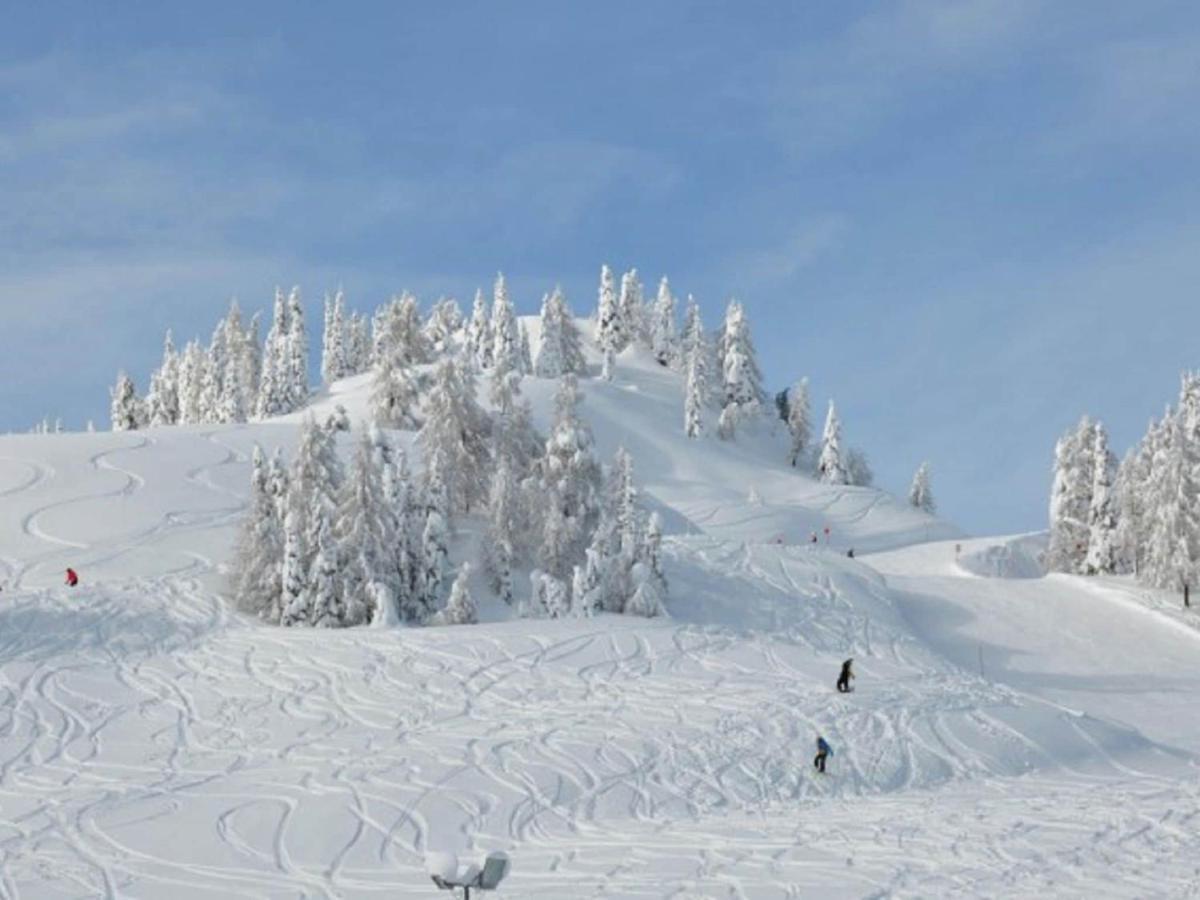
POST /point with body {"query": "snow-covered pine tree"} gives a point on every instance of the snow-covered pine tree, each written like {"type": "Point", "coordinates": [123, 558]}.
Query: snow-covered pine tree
{"type": "Point", "coordinates": [324, 578]}
{"type": "Point", "coordinates": [572, 341]}
{"type": "Point", "coordinates": [366, 533]}
{"type": "Point", "coordinates": [334, 344]}
{"type": "Point", "coordinates": [444, 321]}
{"type": "Point", "coordinates": [163, 400]}
{"type": "Point", "coordinates": [252, 363]}
{"type": "Point", "coordinates": [611, 335]}
{"type": "Point", "coordinates": [296, 600]}
{"type": "Point", "coordinates": [1171, 549]}
{"type": "Point", "coordinates": [209, 404]}
{"type": "Point", "coordinates": [191, 380]}
{"type": "Point", "coordinates": [514, 438]}
{"type": "Point", "coordinates": [259, 556]}
{"type": "Point", "coordinates": [274, 391]}
{"type": "Point", "coordinates": [1133, 493]}
{"type": "Point", "coordinates": [831, 465]}
{"type": "Point", "coordinates": [742, 396]}
{"type": "Point", "coordinates": [549, 363]}
{"type": "Point", "coordinates": [650, 556]}
{"type": "Point", "coordinates": [630, 308]}
{"type": "Point", "coordinates": [526, 354]}
{"type": "Point", "coordinates": [695, 390]}
{"type": "Point", "coordinates": [506, 338]}
{"type": "Point", "coordinates": [570, 480]}
{"type": "Point", "coordinates": [549, 599]}
{"type": "Point", "coordinates": [697, 356]}
{"type": "Point", "coordinates": [360, 333]}
{"type": "Point", "coordinates": [460, 608]}
{"type": "Point", "coordinates": [455, 433]}
{"type": "Point", "coordinates": [434, 551]}
{"type": "Point", "coordinates": [125, 409]}
{"type": "Point", "coordinates": [662, 334]}
{"type": "Point", "coordinates": [799, 421]}
{"type": "Point", "coordinates": [315, 484]}
{"type": "Point", "coordinates": [479, 334]}
{"type": "Point", "coordinates": [1102, 554]}
{"type": "Point", "coordinates": [504, 518]}
{"type": "Point", "coordinates": [1071, 499]}
{"type": "Point", "coordinates": [394, 389]}
{"type": "Point", "coordinates": [296, 353]}
{"type": "Point", "coordinates": [920, 494]}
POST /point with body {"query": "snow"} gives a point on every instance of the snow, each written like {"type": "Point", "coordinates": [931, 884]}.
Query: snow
{"type": "Point", "coordinates": [1010, 733]}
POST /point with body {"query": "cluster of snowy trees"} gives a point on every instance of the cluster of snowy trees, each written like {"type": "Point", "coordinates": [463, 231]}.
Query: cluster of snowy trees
{"type": "Point", "coordinates": [1142, 516]}
{"type": "Point", "coordinates": [325, 548]}
{"type": "Point", "coordinates": [827, 459]}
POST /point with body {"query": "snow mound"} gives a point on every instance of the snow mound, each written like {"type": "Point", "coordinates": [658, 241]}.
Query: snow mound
{"type": "Point", "coordinates": [1018, 557]}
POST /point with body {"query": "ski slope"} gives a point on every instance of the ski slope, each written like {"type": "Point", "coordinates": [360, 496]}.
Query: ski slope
{"type": "Point", "coordinates": [153, 742]}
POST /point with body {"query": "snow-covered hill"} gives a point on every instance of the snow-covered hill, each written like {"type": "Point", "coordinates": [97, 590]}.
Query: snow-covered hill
{"type": "Point", "coordinates": [1007, 736]}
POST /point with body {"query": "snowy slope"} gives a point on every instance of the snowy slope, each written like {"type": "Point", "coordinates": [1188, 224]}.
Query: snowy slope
{"type": "Point", "coordinates": [153, 742]}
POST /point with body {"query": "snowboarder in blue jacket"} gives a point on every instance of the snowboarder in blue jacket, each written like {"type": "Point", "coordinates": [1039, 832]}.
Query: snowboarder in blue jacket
{"type": "Point", "coordinates": [824, 751]}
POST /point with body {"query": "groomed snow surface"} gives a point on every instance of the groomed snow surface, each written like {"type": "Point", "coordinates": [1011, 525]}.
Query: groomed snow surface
{"type": "Point", "coordinates": [1009, 735]}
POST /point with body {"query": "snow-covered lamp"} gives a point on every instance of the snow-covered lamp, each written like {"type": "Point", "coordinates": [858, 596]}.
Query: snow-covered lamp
{"type": "Point", "coordinates": [449, 873]}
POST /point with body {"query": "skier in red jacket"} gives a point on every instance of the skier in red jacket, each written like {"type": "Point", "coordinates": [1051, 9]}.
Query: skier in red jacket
{"type": "Point", "coordinates": [72, 578]}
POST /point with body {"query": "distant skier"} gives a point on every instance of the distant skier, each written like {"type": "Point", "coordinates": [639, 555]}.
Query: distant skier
{"type": "Point", "coordinates": [72, 578]}
{"type": "Point", "coordinates": [843, 682]}
{"type": "Point", "coordinates": [813, 540]}
{"type": "Point", "coordinates": [850, 553]}
{"type": "Point", "coordinates": [824, 751]}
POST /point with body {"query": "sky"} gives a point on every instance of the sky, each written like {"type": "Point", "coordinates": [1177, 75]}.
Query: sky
{"type": "Point", "coordinates": [968, 221]}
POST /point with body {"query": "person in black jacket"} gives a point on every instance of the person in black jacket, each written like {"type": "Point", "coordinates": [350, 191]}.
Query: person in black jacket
{"type": "Point", "coordinates": [843, 682]}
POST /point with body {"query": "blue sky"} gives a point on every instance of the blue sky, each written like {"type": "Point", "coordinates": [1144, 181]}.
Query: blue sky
{"type": "Point", "coordinates": [969, 222]}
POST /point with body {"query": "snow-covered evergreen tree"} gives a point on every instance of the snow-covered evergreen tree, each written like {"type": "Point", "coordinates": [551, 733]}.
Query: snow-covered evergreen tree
{"type": "Point", "coordinates": [920, 494]}
{"type": "Point", "coordinates": [742, 396]}
{"type": "Point", "coordinates": [259, 556]}
{"type": "Point", "coordinates": [296, 602]}
{"type": "Point", "coordinates": [663, 339]}
{"type": "Point", "coordinates": [630, 308]}
{"type": "Point", "coordinates": [570, 479]}
{"type": "Point", "coordinates": [526, 355]}
{"type": "Point", "coordinates": [1071, 500]}
{"type": "Point", "coordinates": [162, 401]}
{"type": "Point", "coordinates": [460, 608]}
{"type": "Point", "coordinates": [274, 391]}
{"type": "Point", "coordinates": [434, 556]}
{"type": "Point", "coordinates": [504, 519]}
{"type": "Point", "coordinates": [697, 354]}
{"type": "Point", "coordinates": [296, 353]}
{"type": "Point", "coordinates": [1173, 542]}
{"type": "Point", "coordinates": [334, 344]}
{"type": "Point", "coordinates": [366, 531]}
{"type": "Point", "coordinates": [799, 421]}
{"type": "Point", "coordinates": [611, 334]}
{"type": "Point", "coordinates": [324, 582]}
{"type": "Point", "coordinates": [126, 407]}
{"type": "Point", "coordinates": [445, 321]}
{"type": "Point", "coordinates": [455, 433]}
{"type": "Point", "coordinates": [506, 338]}
{"type": "Point", "coordinates": [1102, 553]}
{"type": "Point", "coordinates": [831, 465]}
{"type": "Point", "coordinates": [550, 598]}
{"type": "Point", "coordinates": [549, 363]}
{"type": "Point", "coordinates": [478, 345]}
{"type": "Point", "coordinates": [315, 485]}
{"type": "Point", "coordinates": [394, 389]}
